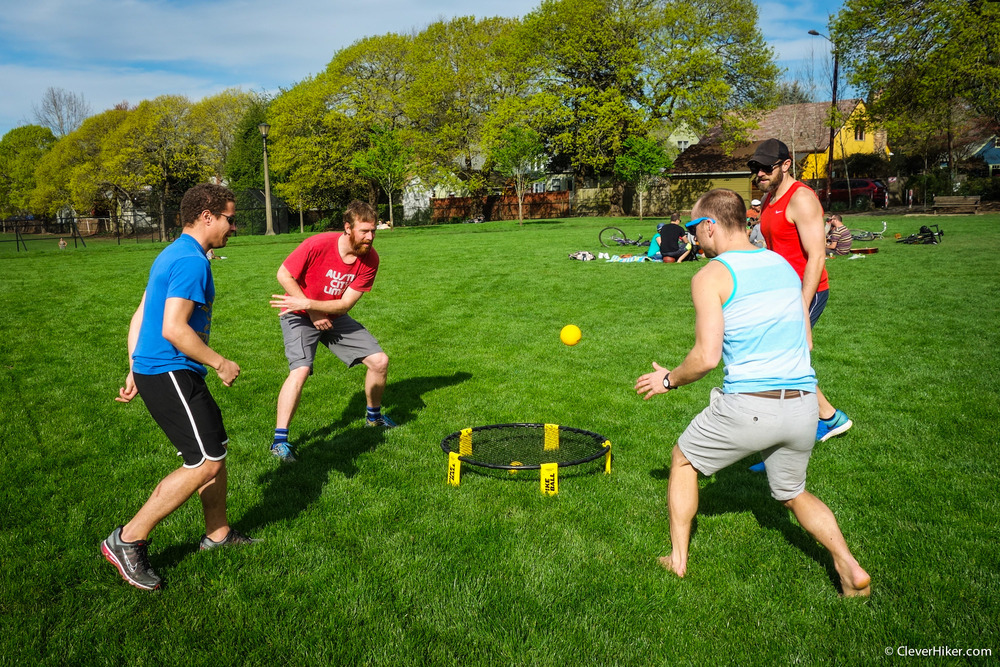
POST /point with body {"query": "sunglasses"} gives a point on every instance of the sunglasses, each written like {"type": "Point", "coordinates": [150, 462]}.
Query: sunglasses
{"type": "Point", "coordinates": [231, 219]}
{"type": "Point", "coordinates": [756, 167]}
{"type": "Point", "coordinates": [693, 225]}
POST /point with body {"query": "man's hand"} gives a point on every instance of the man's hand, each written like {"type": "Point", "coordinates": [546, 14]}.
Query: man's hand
{"type": "Point", "coordinates": [128, 392]}
{"type": "Point", "coordinates": [320, 320]}
{"type": "Point", "coordinates": [651, 384]}
{"type": "Point", "coordinates": [287, 302]}
{"type": "Point", "coordinates": [228, 371]}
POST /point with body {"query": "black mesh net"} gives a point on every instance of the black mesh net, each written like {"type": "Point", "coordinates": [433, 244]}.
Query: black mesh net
{"type": "Point", "coordinates": [523, 446]}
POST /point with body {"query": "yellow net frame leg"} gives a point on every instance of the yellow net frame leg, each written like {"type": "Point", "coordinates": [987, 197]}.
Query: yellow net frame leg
{"type": "Point", "coordinates": [550, 479]}
{"type": "Point", "coordinates": [454, 469]}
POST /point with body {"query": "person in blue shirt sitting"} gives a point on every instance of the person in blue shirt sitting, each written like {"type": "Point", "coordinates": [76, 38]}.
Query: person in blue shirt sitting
{"type": "Point", "coordinates": [670, 243]}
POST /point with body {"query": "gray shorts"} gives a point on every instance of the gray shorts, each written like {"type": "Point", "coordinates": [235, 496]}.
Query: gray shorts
{"type": "Point", "coordinates": [734, 426]}
{"type": "Point", "coordinates": [348, 339]}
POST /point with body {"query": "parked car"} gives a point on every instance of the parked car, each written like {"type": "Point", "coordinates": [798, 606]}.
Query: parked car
{"type": "Point", "coordinates": [860, 193]}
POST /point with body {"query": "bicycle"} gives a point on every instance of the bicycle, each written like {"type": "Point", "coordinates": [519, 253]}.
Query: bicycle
{"type": "Point", "coordinates": [927, 235]}
{"type": "Point", "coordinates": [612, 236]}
{"type": "Point", "coordinates": [864, 235]}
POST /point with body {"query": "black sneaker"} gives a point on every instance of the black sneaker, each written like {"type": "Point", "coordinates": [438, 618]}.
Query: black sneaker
{"type": "Point", "coordinates": [234, 538]}
{"type": "Point", "coordinates": [131, 560]}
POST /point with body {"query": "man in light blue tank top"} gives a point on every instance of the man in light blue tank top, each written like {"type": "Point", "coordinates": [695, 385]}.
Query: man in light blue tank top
{"type": "Point", "coordinates": [749, 313]}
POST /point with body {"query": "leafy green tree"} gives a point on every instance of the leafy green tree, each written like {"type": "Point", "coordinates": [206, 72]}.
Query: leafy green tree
{"type": "Point", "coordinates": [641, 163]}
{"type": "Point", "coordinates": [606, 68]}
{"type": "Point", "coordinates": [519, 154]}
{"type": "Point", "coordinates": [921, 55]}
{"type": "Point", "coordinates": [793, 92]}
{"type": "Point", "coordinates": [20, 151]}
{"type": "Point", "coordinates": [245, 160]}
{"type": "Point", "coordinates": [386, 161]}
{"type": "Point", "coordinates": [213, 122]}
{"type": "Point", "coordinates": [462, 69]}
{"type": "Point", "coordinates": [311, 145]}
{"type": "Point", "coordinates": [73, 174]}
{"type": "Point", "coordinates": [156, 148]}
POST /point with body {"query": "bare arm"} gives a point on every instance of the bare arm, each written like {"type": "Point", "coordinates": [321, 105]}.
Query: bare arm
{"type": "Point", "coordinates": [296, 298]}
{"type": "Point", "coordinates": [710, 287]}
{"type": "Point", "coordinates": [805, 212]}
{"type": "Point", "coordinates": [178, 332]}
{"type": "Point", "coordinates": [128, 392]}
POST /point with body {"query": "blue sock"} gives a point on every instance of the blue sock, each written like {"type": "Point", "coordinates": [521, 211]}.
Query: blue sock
{"type": "Point", "coordinates": [374, 413]}
{"type": "Point", "coordinates": [280, 437]}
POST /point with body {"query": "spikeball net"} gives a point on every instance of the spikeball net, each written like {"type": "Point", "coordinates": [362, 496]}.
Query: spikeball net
{"type": "Point", "coordinates": [517, 447]}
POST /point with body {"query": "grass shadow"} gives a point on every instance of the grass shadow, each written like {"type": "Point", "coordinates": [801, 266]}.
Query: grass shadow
{"type": "Point", "coordinates": [290, 488]}
{"type": "Point", "coordinates": [403, 399]}
{"type": "Point", "coordinates": [736, 489]}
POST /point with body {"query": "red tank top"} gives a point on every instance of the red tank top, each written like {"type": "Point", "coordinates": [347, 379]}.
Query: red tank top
{"type": "Point", "coordinates": [783, 237]}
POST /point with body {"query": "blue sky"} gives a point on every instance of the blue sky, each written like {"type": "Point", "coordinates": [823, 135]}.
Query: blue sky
{"type": "Point", "coordinates": [115, 50]}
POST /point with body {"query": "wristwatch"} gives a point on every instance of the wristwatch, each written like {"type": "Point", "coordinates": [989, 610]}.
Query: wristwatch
{"type": "Point", "coordinates": [666, 382]}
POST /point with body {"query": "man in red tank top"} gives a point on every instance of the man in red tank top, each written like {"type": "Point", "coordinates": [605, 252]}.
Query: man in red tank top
{"type": "Point", "coordinates": [791, 221]}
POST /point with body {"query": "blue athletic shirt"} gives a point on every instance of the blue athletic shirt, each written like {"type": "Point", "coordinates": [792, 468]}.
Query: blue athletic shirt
{"type": "Point", "coordinates": [181, 270]}
{"type": "Point", "coordinates": [764, 346]}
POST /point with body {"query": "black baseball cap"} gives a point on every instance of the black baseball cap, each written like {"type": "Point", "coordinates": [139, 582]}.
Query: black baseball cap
{"type": "Point", "coordinates": [769, 151]}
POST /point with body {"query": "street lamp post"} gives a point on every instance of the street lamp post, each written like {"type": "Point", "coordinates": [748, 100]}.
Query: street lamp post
{"type": "Point", "coordinates": [833, 115]}
{"type": "Point", "coordinates": [264, 129]}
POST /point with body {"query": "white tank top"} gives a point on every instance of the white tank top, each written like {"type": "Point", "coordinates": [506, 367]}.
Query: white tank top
{"type": "Point", "coordinates": [764, 346]}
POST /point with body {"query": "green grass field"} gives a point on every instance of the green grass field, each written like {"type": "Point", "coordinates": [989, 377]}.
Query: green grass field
{"type": "Point", "coordinates": [368, 557]}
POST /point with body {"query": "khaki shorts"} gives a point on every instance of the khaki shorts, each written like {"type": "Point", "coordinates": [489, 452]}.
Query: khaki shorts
{"type": "Point", "coordinates": [348, 339]}
{"type": "Point", "coordinates": [734, 426]}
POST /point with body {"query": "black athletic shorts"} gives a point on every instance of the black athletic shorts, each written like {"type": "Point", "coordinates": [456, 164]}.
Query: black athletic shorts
{"type": "Point", "coordinates": [184, 408]}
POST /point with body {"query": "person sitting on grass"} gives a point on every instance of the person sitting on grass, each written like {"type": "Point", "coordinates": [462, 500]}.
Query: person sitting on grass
{"type": "Point", "coordinates": [670, 242]}
{"type": "Point", "coordinates": [838, 239]}
{"type": "Point", "coordinates": [749, 312]}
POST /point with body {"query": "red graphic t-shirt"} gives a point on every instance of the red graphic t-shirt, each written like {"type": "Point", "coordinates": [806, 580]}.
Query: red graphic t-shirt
{"type": "Point", "coordinates": [783, 237]}
{"type": "Point", "coordinates": [322, 274]}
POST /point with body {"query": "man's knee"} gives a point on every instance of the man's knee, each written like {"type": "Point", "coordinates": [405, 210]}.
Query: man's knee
{"type": "Point", "coordinates": [211, 469]}
{"type": "Point", "coordinates": [677, 458]}
{"type": "Point", "coordinates": [792, 503]}
{"type": "Point", "coordinates": [298, 376]}
{"type": "Point", "coordinates": [378, 362]}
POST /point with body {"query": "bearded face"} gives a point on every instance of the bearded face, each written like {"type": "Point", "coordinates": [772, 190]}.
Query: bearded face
{"type": "Point", "coordinates": [361, 236]}
{"type": "Point", "coordinates": [772, 181]}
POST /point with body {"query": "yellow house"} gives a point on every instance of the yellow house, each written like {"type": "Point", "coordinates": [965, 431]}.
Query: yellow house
{"type": "Point", "coordinates": [852, 138]}
{"type": "Point", "coordinates": [802, 127]}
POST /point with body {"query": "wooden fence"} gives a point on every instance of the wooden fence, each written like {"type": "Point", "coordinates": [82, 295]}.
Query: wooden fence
{"type": "Point", "coordinates": [502, 207]}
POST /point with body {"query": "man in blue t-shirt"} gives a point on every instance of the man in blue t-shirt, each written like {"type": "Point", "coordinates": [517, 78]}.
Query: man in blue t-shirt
{"type": "Point", "coordinates": [750, 313]}
{"type": "Point", "coordinates": [168, 351]}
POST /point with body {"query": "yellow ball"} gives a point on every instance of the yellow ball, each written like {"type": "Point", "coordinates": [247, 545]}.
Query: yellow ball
{"type": "Point", "coordinates": [570, 334]}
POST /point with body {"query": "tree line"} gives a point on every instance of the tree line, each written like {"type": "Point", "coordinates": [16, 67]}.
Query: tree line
{"type": "Point", "coordinates": [584, 76]}
{"type": "Point", "coordinates": [582, 87]}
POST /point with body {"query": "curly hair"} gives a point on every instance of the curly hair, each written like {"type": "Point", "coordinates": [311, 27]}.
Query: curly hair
{"type": "Point", "coordinates": [204, 197]}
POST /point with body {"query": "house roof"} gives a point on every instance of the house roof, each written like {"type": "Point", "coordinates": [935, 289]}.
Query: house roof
{"type": "Point", "coordinates": [990, 151]}
{"type": "Point", "coordinates": [801, 126]}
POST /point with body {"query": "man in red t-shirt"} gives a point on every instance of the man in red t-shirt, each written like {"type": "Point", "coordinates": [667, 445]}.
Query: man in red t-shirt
{"type": "Point", "coordinates": [323, 278]}
{"type": "Point", "coordinates": [791, 221]}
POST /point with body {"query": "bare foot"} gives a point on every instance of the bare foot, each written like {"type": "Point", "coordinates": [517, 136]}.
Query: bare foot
{"type": "Point", "coordinates": [854, 581]}
{"type": "Point", "coordinates": [668, 563]}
